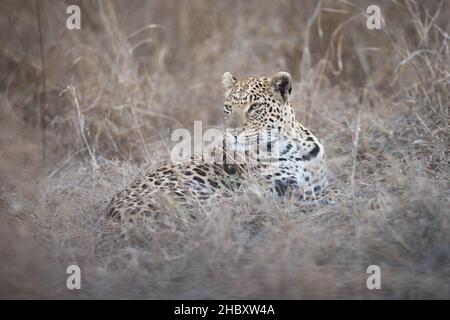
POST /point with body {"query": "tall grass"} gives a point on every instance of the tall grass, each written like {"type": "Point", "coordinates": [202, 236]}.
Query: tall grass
{"type": "Point", "coordinates": [378, 100]}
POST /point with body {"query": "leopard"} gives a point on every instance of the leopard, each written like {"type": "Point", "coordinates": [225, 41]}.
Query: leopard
{"type": "Point", "coordinates": [262, 141]}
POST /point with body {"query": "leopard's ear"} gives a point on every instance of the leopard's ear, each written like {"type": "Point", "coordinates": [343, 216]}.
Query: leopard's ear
{"type": "Point", "coordinates": [228, 81]}
{"type": "Point", "coordinates": [281, 82]}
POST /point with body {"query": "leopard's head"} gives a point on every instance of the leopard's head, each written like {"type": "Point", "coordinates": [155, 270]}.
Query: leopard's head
{"type": "Point", "coordinates": [257, 104]}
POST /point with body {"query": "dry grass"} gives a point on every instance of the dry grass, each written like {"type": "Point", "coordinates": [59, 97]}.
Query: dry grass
{"type": "Point", "coordinates": [377, 99]}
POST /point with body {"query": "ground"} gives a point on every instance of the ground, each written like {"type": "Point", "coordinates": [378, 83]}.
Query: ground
{"type": "Point", "coordinates": [114, 91]}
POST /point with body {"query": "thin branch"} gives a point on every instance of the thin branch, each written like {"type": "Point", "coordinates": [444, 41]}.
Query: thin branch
{"type": "Point", "coordinates": [42, 103]}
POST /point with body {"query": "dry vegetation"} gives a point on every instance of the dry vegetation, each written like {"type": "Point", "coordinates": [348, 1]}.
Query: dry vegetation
{"type": "Point", "coordinates": [138, 69]}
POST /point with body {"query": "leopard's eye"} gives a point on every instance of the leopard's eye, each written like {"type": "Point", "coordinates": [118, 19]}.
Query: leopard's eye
{"type": "Point", "coordinates": [255, 107]}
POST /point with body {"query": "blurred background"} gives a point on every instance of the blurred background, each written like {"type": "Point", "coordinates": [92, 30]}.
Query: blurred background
{"type": "Point", "coordinates": [83, 112]}
{"type": "Point", "coordinates": [163, 60]}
